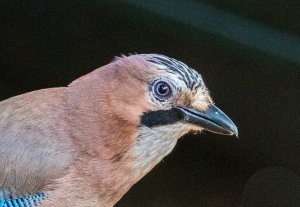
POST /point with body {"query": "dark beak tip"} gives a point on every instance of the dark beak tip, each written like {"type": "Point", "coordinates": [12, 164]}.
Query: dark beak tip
{"type": "Point", "coordinates": [228, 132]}
{"type": "Point", "coordinates": [223, 120]}
{"type": "Point", "coordinates": [232, 128]}
{"type": "Point", "coordinates": [234, 132]}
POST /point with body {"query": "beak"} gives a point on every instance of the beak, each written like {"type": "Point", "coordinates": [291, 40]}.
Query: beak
{"type": "Point", "coordinates": [213, 120]}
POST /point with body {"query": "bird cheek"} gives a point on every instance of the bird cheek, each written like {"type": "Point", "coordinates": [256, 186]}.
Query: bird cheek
{"type": "Point", "coordinates": [129, 110]}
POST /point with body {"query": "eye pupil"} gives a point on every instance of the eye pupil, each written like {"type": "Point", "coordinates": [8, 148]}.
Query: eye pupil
{"type": "Point", "coordinates": [162, 90]}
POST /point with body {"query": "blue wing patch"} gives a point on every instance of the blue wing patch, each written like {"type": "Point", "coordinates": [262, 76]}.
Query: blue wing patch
{"type": "Point", "coordinates": [28, 201]}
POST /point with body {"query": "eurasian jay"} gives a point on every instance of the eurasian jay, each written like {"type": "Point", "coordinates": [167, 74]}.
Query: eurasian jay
{"type": "Point", "coordinates": [87, 144]}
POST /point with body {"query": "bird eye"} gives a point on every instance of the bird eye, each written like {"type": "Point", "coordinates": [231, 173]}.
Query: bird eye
{"type": "Point", "coordinates": [162, 90]}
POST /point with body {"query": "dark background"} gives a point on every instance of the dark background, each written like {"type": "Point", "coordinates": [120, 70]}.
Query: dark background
{"type": "Point", "coordinates": [50, 43]}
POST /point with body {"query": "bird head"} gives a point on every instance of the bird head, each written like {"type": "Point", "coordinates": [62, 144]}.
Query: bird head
{"type": "Point", "coordinates": [148, 102]}
{"type": "Point", "coordinates": [171, 100]}
{"type": "Point", "coordinates": [155, 91]}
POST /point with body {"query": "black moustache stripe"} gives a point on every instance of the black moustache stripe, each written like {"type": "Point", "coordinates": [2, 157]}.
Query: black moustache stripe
{"type": "Point", "coordinates": [161, 117]}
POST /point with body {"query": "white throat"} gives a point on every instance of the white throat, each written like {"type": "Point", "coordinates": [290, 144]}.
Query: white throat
{"type": "Point", "coordinates": [153, 144]}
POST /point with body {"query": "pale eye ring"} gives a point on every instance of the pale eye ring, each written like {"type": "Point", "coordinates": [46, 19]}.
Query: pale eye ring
{"type": "Point", "coordinates": [162, 90]}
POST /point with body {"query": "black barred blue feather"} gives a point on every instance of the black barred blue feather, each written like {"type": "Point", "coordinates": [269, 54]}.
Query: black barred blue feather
{"type": "Point", "coordinates": [28, 201]}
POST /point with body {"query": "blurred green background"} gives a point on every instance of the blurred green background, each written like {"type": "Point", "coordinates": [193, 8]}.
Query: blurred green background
{"type": "Point", "coordinates": [247, 51]}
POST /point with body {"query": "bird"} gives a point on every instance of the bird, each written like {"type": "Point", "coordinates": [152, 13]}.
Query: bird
{"type": "Point", "coordinates": [87, 144]}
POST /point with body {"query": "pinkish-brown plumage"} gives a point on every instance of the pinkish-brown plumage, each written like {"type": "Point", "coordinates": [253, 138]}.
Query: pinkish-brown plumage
{"type": "Point", "coordinates": [85, 144]}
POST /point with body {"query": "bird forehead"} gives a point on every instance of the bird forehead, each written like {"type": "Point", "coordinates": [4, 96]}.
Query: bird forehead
{"type": "Point", "coordinates": [178, 70]}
